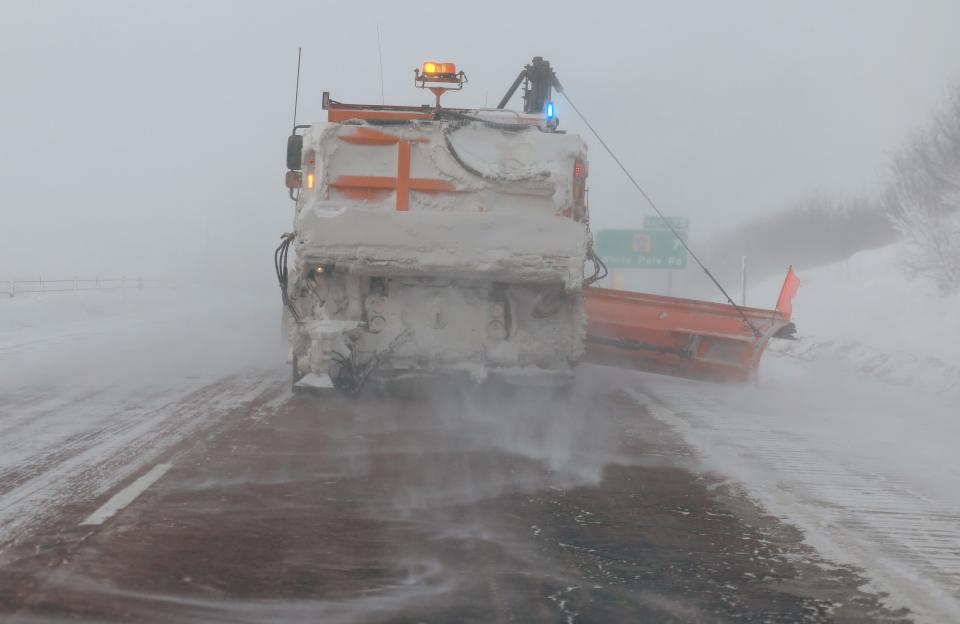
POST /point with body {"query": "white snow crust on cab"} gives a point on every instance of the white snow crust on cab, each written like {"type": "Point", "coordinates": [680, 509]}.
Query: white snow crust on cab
{"type": "Point", "coordinates": [511, 226]}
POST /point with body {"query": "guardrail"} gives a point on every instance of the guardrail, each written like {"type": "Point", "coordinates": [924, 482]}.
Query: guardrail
{"type": "Point", "coordinates": [38, 286]}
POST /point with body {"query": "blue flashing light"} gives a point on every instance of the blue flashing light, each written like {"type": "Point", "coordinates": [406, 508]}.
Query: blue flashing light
{"type": "Point", "coordinates": [550, 112]}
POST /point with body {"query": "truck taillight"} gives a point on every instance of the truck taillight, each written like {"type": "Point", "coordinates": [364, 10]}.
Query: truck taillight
{"type": "Point", "coordinates": [309, 169]}
{"type": "Point", "coordinates": [579, 189]}
{"type": "Point", "coordinates": [579, 170]}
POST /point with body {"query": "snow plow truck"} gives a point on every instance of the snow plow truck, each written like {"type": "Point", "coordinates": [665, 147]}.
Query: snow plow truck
{"type": "Point", "coordinates": [435, 241]}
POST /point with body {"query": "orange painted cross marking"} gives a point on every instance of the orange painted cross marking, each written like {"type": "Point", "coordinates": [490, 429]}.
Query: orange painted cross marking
{"type": "Point", "coordinates": [368, 187]}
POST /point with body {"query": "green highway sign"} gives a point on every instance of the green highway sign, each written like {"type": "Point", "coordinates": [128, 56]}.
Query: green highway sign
{"type": "Point", "coordinates": [641, 249]}
{"type": "Point", "coordinates": [680, 224]}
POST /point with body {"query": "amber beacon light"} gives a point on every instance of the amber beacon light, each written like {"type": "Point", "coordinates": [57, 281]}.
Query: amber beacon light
{"type": "Point", "coordinates": [438, 77]}
{"type": "Point", "coordinates": [433, 69]}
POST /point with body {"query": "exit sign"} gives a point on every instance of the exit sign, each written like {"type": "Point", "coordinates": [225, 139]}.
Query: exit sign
{"type": "Point", "coordinates": [641, 249]}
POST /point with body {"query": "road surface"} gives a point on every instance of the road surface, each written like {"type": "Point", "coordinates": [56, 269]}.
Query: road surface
{"type": "Point", "coordinates": [440, 505]}
{"type": "Point", "coordinates": [152, 470]}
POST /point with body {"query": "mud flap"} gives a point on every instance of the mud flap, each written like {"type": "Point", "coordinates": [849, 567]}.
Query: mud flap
{"type": "Point", "coordinates": [313, 381]}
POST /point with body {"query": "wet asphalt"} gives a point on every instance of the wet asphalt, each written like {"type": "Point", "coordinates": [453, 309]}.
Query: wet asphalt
{"type": "Point", "coordinates": [436, 505]}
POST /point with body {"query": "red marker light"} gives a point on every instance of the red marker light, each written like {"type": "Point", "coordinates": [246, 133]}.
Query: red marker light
{"type": "Point", "coordinates": [578, 169]}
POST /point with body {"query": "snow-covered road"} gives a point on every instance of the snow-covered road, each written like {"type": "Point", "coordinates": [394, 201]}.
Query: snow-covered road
{"type": "Point", "coordinates": [869, 471]}
{"type": "Point", "coordinates": [94, 386]}
{"type": "Point", "coordinates": [70, 447]}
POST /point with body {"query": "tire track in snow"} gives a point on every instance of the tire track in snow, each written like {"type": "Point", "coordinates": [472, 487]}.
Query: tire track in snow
{"type": "Point", "coordinates": [54, 428]}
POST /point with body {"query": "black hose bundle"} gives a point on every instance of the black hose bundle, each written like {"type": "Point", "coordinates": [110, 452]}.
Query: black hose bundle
{"type": "Point", "coordinates": [599, 268]}
{"type": "Point", "coordinates": [464, 118]}
{"type": "Point", "coordinates": [457, 120]}
{"type": "Point", "coordinates": [500, 179]}
{"type": "Point", "coordinates": [280, 264]}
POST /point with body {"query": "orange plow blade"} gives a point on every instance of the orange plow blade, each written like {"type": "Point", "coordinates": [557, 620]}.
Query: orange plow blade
{"type": "Point", "coordinates": [682, 337]}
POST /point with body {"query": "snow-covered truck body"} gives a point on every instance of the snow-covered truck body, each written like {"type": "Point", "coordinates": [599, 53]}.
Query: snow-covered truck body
{"type": "Point", "coordinates": [431, 240]}
{"type": "Point", "coordinates": [455, 244]}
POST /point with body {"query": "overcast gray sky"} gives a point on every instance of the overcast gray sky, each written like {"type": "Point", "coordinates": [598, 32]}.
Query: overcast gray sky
{"type": "Point", "coordinates": [143, 138]}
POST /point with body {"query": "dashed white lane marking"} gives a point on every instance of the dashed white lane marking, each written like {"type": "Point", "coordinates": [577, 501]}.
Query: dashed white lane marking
{"type": "Point", "coordinates": [126, 496]}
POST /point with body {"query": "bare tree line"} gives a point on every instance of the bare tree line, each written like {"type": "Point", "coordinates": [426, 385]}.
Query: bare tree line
{"type": "Point", "coordinates": [920, 205]}
{"type": "Point", "coordinates": [924, 197]}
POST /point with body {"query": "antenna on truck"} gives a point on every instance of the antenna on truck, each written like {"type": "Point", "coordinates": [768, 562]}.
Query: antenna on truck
{"type": "Point", "coordinates": [296, 93]}
{"type": "Point", "coordinates": [294, 178]}
{"type": "Point", "coordinates": [380, 56]}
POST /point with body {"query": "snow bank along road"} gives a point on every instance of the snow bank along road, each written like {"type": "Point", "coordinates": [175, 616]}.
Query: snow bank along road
{"type": "Point", "coordinates": [192, 487]}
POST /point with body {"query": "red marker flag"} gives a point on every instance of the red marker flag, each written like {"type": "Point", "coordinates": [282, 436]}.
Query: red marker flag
{"type": "Point", "coordinates": [790, 286]}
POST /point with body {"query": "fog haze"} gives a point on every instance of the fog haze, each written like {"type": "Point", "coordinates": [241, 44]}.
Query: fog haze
{"type": "Point", "coordinates": [444, 423]}
{"type": "Point", "coordinates": [148, 138]}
